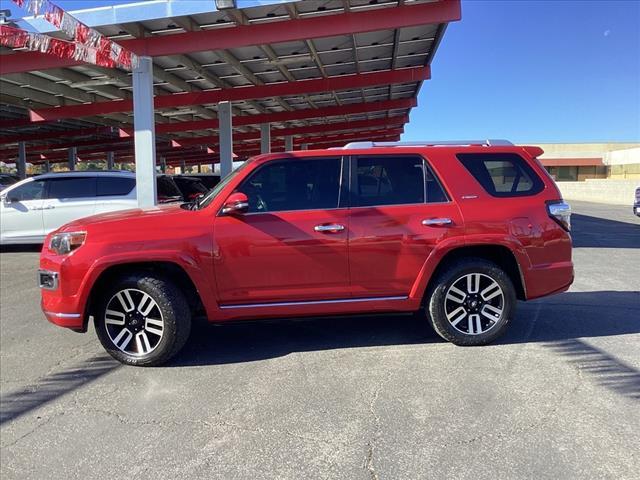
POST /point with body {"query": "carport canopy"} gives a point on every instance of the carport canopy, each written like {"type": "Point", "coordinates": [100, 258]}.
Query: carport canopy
{"type": "Point", "coordinates": [267, 77]}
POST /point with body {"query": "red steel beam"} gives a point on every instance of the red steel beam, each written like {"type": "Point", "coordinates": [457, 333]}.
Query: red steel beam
{"type": "Point", "coordinates": [311, 129]}
{"type": "Point", "coordinates": [341, 137]}
{"type": "Point", "coordinates": [48, 147]}
{"type": "Point", "coordinates": [300, 87]}
{"type": "Point", "coordinates": [319, 143]}
{"type": "Point", "coordinates": [351, 109]}
{"type": "Point", "coordinates": [256, 151]}
{"type": "Point", "coordinates": [244, 120]}
{"type": "Point", "coordinates": [50, 135]}
{"type": "Point", "coordinates": [260, 34]}
{"type": "Point", "coordinates": [118, 144]}
{"type": "Point", "coordinates": [118, 149]}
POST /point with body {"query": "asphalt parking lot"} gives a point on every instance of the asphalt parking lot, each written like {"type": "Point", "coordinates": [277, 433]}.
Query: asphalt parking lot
{"type": "Point", "coordinates": [355, 398]}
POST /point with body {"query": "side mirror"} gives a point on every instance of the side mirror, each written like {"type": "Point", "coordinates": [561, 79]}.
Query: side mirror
{"type": "Point", "coordinates": [195, 196]}
{"type": "Point", "coordinates": [237, 203]}
{"type": "Point", "coordinates": [6, 200]}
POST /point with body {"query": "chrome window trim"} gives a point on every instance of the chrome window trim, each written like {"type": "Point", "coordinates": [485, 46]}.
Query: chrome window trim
{"type": "Point", "coordinates": [278, 212]}
{"type": "Point", "coordinates": [402, 205]}
{"type": "Point", "coordinates": [313, 302]}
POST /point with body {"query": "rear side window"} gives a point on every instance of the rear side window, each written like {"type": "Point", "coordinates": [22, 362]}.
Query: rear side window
{"type": "Point", "coordinates": [502, 174]}
{"type": "Point", "coordinates": [75, 187]}
{"type": "Point", "coordinates": [394, 180]}
{"type": "Point", "coordinates": [112, 186]}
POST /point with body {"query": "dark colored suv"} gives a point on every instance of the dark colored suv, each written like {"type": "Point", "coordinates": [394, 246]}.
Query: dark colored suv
{"type": "Point", "coordinates": [457, 232]}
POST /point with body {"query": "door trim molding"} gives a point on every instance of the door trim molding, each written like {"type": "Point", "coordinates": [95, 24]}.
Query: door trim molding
{"type": "Point", "coordinates": [314, 302]}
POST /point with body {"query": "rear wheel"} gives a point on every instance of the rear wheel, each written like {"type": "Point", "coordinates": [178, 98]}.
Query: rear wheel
{"type": "Point", "coordinates": [143, 320]}
{"type": "Point", "coordinates": [471, 302]}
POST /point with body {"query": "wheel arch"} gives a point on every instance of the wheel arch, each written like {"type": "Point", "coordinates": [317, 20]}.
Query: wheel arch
{"type": "Point", "coordinates": [499, 254]}
{"type": "Point", "coordinates": [171, 270]}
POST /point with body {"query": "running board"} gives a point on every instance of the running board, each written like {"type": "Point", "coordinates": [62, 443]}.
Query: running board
{"type": "Point", "coordinates": [313, 302]}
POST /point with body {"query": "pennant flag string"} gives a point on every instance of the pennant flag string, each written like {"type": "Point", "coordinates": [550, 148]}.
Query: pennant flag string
{"type": "Point", "coordinates": [37, 42]}
{"type": "Point", "coordinates": [91, 45]}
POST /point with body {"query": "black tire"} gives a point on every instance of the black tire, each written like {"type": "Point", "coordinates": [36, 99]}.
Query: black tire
{"type": "Point", "coordinates": [173, 311]}
{"type": "Point", "coordinates": [438, 304]}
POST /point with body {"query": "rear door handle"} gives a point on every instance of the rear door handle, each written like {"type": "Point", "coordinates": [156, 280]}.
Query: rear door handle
{"type": "Point", "coordinates": [332, 228]}
{"type": "Point", "coordinates": [436, 222]}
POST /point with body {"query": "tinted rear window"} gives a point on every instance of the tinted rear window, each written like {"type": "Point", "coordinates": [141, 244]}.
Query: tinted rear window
{"type": "Point", "coordinates": [502, 174]}
{"type": "Point", "coordinates": [111, 186]}
{"type": "Point", "coordinates": [167, 188]}
{"type": "Point", "coordinates": [392, 180]}
{"type": "Point", "coordinates": [73, 187]}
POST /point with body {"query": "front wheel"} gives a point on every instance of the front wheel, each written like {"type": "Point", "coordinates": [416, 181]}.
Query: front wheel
{"type": "Point", "coordinates": [471, 302]}
{"type": "Point", "coordinates": [143, 320]}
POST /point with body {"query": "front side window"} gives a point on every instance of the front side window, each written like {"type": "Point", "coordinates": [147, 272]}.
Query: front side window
{"type": "Point", "coordinates": [28, 191]}
{"type": "Point", "coordinates": [285, 185]}
{"type": "Point", "coordinates": [73, 187]}
{"type": "Point", "coordinates": [502, 174]}
{"type": "Point", "coordinates": [388, 180]}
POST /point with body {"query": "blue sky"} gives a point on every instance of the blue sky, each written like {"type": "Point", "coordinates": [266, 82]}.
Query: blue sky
{"type": "Point", "coordinates": [536, 71]}
{"type": "Point", "coordinates": [529, 71]}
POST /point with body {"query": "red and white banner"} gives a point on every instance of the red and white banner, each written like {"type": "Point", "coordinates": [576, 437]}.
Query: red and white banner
{"type": "Point", "coordinates": [37, 42]}
{"type": "Point", "coordinates": [90, 45]}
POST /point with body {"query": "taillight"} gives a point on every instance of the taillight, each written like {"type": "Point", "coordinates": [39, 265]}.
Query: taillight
{"type": "Point", "coordinates": [560, 211]}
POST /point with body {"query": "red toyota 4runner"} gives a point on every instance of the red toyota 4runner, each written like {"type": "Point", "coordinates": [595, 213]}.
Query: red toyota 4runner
{"type": "Point", "coordinates": [456, 231]}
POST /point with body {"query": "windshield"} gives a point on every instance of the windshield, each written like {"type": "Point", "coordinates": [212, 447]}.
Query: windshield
{"type": "Point", "coordinates": [208, 198]}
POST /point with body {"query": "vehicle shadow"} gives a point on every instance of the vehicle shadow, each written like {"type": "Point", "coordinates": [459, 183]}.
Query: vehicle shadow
{"type": "Point", "coordinates": [52, 386]}
{"type": "Point", "coordinates": [251, 341]}
{"type": "Point", "coordinates": [560, 323]}
{"type": "Point", "coordinates": [596, 232]}
{"type": "Point", "coordinates": [565, 323]}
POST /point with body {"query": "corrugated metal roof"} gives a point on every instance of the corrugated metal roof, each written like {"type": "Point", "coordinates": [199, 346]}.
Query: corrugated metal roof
{"type": "Point", "coordinates": [263, 64]}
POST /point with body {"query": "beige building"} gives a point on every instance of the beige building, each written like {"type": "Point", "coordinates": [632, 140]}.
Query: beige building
{"type": "Point", "coordinates": [582, 161]}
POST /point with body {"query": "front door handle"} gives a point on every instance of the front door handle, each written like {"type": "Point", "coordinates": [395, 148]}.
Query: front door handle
{"type": "Point", "coordinates": [332, 228]}
{"type": "Point", "coordinates": [436, 222]}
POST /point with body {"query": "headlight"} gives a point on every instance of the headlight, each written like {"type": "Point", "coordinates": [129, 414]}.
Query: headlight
{"type": "Point", "coordinates": [63, 243]}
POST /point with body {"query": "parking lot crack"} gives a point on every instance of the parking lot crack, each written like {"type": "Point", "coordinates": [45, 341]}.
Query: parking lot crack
{"type": "Point", "coordinates": [372, 443]}
{"type": "Point", "coordinates": [41, 424]}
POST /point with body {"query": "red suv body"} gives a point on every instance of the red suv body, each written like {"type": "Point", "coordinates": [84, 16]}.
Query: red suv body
{"type": "Point", "coordinates": [459, 231]}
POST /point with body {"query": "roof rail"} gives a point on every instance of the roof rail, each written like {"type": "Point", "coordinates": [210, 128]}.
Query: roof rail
{"type": "Point", "coordinates": [461, 143]}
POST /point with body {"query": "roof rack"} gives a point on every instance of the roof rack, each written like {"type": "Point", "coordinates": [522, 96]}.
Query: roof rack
{"type": "Point", "coordinates": [460, 143]}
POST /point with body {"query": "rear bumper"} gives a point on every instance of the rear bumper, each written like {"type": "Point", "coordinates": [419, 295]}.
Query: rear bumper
{"type": "Point", "coordinates": [549, 279]}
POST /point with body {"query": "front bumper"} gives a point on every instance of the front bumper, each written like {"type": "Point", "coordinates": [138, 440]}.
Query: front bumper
{"type": "Point", "coordinates": [60, 280]}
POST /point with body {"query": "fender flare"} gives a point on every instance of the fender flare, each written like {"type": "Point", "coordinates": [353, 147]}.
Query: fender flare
{"type": "Point", "coordinates": [178, 258]}
{"type": "Point", "coordinates": [447, 246]}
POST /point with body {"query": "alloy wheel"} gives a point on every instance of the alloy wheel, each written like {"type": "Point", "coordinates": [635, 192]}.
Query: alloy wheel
{"type": "Point", "coordinates": [134, 322]}
{"type": "Point", "coordinates": [474, 304]}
